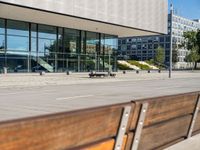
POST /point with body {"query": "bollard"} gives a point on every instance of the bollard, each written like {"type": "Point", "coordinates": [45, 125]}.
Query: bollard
{"type": "Point", "coordinates": [42, 73]}
{"type": "Point", "coordinates": [159, 71]}
{"type": "Point", "coordinates": [5, 70]}
{"type": "Point", "coordinates": [109, 73]}
{"type": "Point", "coordinates": [137, 71]}
{"type": "Point", "coordinates": [67, 72]}
{"type": "Point", "coordinates": [124, 72]}
{"type": "Point", "coordinates": [149, 71]}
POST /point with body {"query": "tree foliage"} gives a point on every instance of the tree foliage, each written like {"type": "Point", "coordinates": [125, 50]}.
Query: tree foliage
{"type": "Point", "coordinates": [191, 42]}
{"type": "Point", "coordinates": [190, 39]}
{"type": "Point", "coordinates": [198, 41]}
{"type": "Point", "coordinates": [175, 53]}
{"type": "Point", "coordinates": [160, 55]}
{"type": "Point", "coordinates": [193, 55]}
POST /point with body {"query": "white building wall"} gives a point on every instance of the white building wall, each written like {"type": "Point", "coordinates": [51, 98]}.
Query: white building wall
{"type": "Point", "coordinates": [150, 15]}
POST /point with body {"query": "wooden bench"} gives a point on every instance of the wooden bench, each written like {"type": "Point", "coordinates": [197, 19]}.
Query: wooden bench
{"type": "Point", "coordinates": [101, 74]}
{"type": "Point", "coordinates": [150, 124]}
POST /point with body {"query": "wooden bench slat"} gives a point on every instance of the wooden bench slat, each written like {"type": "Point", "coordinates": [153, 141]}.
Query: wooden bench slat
{"type": "Point", "coordinates": [61, 131]}
{"type": "Point", "coordinates": [197, 123]}
{"type": "Point", "coordinates": [161, 134]}
{"type": "Point", "coordinates": [106, 145]}
{"type": "Point", "coordinates": [165, 108]}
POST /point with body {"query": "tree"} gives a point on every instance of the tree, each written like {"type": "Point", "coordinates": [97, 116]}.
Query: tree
{"type": "Point", "coordinates": [160, 55]}
{"type": "Point", "coordinates": [198, 41]}
{"type": "Point", "coordinates": [190, 39]}
{"type": "Point", "coordinates": [175, 54]}
{"type": "Point", "coordinates": [191, 43]}
{"type": "Point", "coordinates": [193, 56]}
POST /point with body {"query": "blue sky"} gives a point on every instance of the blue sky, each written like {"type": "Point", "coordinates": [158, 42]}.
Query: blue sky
{"type": "Point", "coordinates": [187, 8]}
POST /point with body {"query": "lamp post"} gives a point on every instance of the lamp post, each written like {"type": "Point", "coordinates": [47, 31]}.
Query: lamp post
{"type": "Point", "coordinates": [171, 41]}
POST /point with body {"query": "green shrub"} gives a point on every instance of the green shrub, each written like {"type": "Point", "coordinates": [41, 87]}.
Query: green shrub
{"type": "Point", "coordinates": [141, 66]}
{"type": "Point", "coordinates": [123, 67]}
{"type": "Point", "coordinates": [152, 62]}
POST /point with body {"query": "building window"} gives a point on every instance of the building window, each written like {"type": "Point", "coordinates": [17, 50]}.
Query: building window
{"type": "Point", "coordinates": [17, 46]}
{"type": "Point", "coordinates": [72, 41]}
{"type": "Point", "coordinates": [162, 45]}
{"type": "Point", "coordinates": [162, 39]}
{"type": "Point", "coordinates": [2, 35]}
{"type": "Point", "coordinates": [139, 46]}
{"type": "Point", "coordinates": [155, 46]}
{"type": "Point", "coordinates": [46, 40]}
{"type": "Point", "coordinates": [167, 45]}
{"type": "Point", "coordinates": [168, 39]}
{"type": "Point", "coordinates": [119, 42]}
{"type": "Point", "coordinates": [144, 46]}
{"type": "Point", "coordinates": [33, 47]}
{"type": "Point", "coordinates": [2, 43]}
{"type": "Point", "coordinates": [128, 47]}
{"type": "Point", "coordinates": [150, 46]}
{"type": "Point", "coordinates": [123, 41]}
{"type": "Point", "coordinates": [134, 47]}
{"type": "Point", "coordinates": [17, 36]}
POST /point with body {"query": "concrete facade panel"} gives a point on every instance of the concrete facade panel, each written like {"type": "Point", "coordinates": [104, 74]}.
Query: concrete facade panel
{"type": "Point", "coordinates": [150, 15]}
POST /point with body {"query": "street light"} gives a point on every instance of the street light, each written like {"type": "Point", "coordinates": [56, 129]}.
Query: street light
{"type": "Point", "coordinates": [171, 40]}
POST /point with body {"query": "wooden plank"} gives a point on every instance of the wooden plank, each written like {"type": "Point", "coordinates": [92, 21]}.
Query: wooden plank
{"type": "Point", "coordinates": [61, 131]}
{"type": "Point", "coordinates": [197, 123]}
{"type": "Point", "coordinates": [164, 133]}
{"type": "Point", "coordinates": [130, 139]}
{"type": "Point", "coordinates": [135, 116]}
{"type": "Point", "coordinates": [167, 107]}
{"type": "Point", "coordinates": [105, 145]}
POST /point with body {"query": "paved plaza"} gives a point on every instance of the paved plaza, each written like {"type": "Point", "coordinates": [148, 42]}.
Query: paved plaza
{"type": "Point", "coordinates": [31, 95]}
{"type": "Point", "coordinates": [189, 144]}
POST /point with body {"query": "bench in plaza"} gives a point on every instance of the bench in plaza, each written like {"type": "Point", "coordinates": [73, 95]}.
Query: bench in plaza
{"type": "Point", "coordinates": [101, 74]}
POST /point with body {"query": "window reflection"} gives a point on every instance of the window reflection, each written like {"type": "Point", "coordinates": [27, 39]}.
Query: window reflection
{"type": "Point", "coordinates": [72, 40]}
{"type": "Point", "coordinates": [92, 42]}
{"type": "Point", "coordinates": [17, 36]}
{"type": "Point", "coordinates": [2, 26]}
{"type": "Point", "coordinates": [46, 40]}
{"type": "Point", "coordinates": [54, 49]}
{"type": "Point", "coordinates": [2, 42]}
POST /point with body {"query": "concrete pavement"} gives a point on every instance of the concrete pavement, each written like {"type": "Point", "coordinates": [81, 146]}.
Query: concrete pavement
{"type": "Point", "coordinates": [23, 96]}
{"type": "Point", "coordinates": [190, 144]}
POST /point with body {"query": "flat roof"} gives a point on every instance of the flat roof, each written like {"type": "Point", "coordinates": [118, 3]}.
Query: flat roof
{"type": "Point", "coordinates": [36, 15]}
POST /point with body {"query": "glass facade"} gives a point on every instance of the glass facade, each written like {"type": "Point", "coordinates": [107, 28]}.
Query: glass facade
{"type": "Point", "coordinates": [30, 47]}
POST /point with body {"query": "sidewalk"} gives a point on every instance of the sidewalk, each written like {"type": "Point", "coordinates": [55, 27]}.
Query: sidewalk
{"type": "Point", "coordinates": [190, 144]}
{"type": "Point", "coordinates": [35, 80]}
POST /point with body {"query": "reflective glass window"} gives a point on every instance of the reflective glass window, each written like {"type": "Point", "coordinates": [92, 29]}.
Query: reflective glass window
{"type": "Point", "coordinates": [71, 40]}
{"type": "Point", "coordinates": [33, 39]}
{"type": "Point", "coordinates": [92, 42]}
{"type": "Point", "coordinates": [17, 28]}
{"type": "Point", "coordinates": [2, 42]}
{"type": "Point", "coordinates": [46, 40]}
{"type": "Point", "coordinates": [111, 43]}
{"type": "Point", "coordinates": [2, 34]}
{"type": "Point", "coordinates": [17, 36]}
{"type": "Point", "coordinates": [2, 26]}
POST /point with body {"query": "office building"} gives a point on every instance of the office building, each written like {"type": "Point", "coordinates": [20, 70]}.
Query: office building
{"type": "Point", "coordinates": [75, 35]}
{"type": "Point", "coordinates": [143, 47]}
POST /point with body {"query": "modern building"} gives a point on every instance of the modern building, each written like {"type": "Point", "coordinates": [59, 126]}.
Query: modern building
{"type": "Point", "coordinates": [143, 47]}
{"type": "Point", "coordinates": [76, 35]}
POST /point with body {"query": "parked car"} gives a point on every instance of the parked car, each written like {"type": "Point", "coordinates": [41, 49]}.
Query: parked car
{"type": "Point", "coordinates": [20, 68]}
{"type": "Point", "coordinates": [38, 69]}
